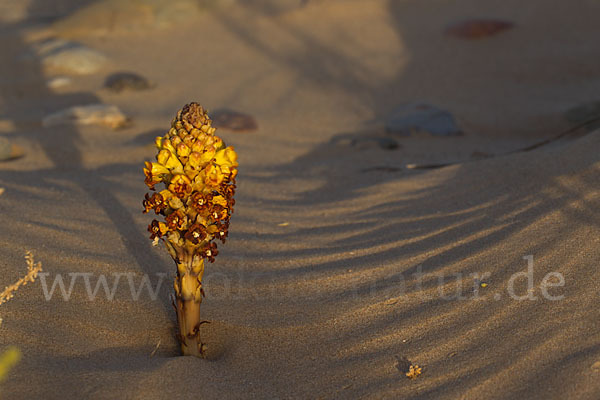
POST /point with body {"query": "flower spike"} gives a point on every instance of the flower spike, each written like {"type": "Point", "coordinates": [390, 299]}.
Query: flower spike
{"type": "Point", "coordinates": [198, 172]}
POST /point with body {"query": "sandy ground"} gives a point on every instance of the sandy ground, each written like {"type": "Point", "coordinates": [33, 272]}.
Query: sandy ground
{"type": "Point", "coordinates": [331, 276]}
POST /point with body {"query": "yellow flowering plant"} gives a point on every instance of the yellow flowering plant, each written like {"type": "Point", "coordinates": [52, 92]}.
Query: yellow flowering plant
{"type": "Point", "coordinates": [198, 173]}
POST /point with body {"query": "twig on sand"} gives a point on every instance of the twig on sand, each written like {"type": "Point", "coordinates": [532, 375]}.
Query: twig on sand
{"type": "Point", "coordinates": [32, 272]}
{"type": "Point", "coordinates": [155, 349]}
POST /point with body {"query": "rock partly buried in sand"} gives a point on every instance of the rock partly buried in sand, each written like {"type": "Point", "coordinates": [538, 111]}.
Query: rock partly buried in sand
{"type": "Point", "coordinates": [69, 57]}
{"type": "Point", "coordinates": [121, 81]}
{"type": "Point", "coordinates": [366, 141]}
{"type": "Point", "coordinates": [58, 82]}
{"type": "Point", "coordinates": [421, 118]}
{"type": "Point", "coordinates": [478, 28]}
{"type": "Point", "coordinates": [9, 150]}
{"type": "Point", "coordinates": [93, 114]}
{"type": "Point", "coordinates": [384, 143]}
{"type": "Point", "coordinates": [587, 114]}
{"type": "Point", "coordinates": [118, 16]}
{"type": "Point", "coordinates": [233, 120]}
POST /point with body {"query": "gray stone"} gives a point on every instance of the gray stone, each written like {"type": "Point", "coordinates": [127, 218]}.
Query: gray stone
{"type": "Point", "coordinates": [69, 57]}
{"type": "Point", "coordinates": [366, 141]}
{"type": "Point", "coordinates": [120, 81]}
{"type": "Point", "coordinates": [93, 114]}
{"type": "Point", "coordinates": [420, 117]}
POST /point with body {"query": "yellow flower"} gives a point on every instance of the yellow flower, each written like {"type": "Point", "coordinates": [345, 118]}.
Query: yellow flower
{"type": "Point", "coordinates": [215, 142]}
{"type": "Point", "coordinates": [214, 175]}
{"type": "Point", "coordinates": [170, 161]}
{"type": "Point", "coordinates": [166, 194]}
{"type": "Point", "coordinates": [189, 140]}
{"type": "Point", "coordinates": [181, 186]}
{"type": "Point", "coordinates": [163, 157]}
{"type": "Point", "coordinates": [154, 173]}
{"type": "Point", "coordinates": [194, 160]}
{"type": "Point", "coordinates": [155, 202]}
{"type": "Point", "coordinates": [226, 157]}
{"type": "Point", "coordinates": [175, 140]}
{"type": "Point", "coordinates": [413, 372]}
{"type": "Point", "coordinates": [165, 144]}
{"type": "Point", "coordinates": [177, 220]}
{"type": "Point", "coordinates": [219, 200]}
{"type": "Point", "coordinates": [183, 150]}
{"type": "Point", "coordinates": [156, 168]}
{"type": "Point", "coordinates": [189, 171]}
{"type": "Point", "coordinates": [196, 233]}
{"type": "Point", "coordinates": [175, 202]}
{"type": "Point", "coordinates": [157, 229]}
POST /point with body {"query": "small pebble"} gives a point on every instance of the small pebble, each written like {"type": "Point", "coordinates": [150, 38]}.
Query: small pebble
{"type": "Point", "coordinates": [478, 28]}
{"type": "Point", "coordinates": [9, 150]}
{"type": "Point", "coordinates": [415, 118]}
{"type": "Point", "coordinates": [366, 141]}
{"type": "Point", "coordinates": [70, 57]}
{"type": "Point", "coordinates": [385, 143]}
{"type": "Point", "coordinates": [121, 81]}
{"type": "Point", "coordinates": [58, 82]}
{"type": "Point", "coordinates": [93, 114]}
{"type": "Point", "coordinates": [233, 120]}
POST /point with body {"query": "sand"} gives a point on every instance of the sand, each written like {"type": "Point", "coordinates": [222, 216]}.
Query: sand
{"type": "Point", "coordinates": [317, 293]}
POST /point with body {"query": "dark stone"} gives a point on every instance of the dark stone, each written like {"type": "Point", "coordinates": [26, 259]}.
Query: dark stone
{"type": "Point", "coordinates": [120, 81]}
{"type": "Point", "coordinates": [385, 143]}
{"type": "Point", "coordinates": [365, 141]}
{"type": "Point", "coordinates": [233, 120]}
{"type": "Point", "coordinates": [478, 28]}
{"type": "Point", "coordinates": [419, 117]}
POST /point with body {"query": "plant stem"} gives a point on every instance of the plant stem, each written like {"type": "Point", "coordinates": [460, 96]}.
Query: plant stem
{"type": "Point", "coordinates": [188, 297]}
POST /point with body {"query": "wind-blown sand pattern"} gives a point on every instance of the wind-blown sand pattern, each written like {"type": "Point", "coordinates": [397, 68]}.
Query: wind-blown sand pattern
{"type": "Point", "coordinates": [317, 292]}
